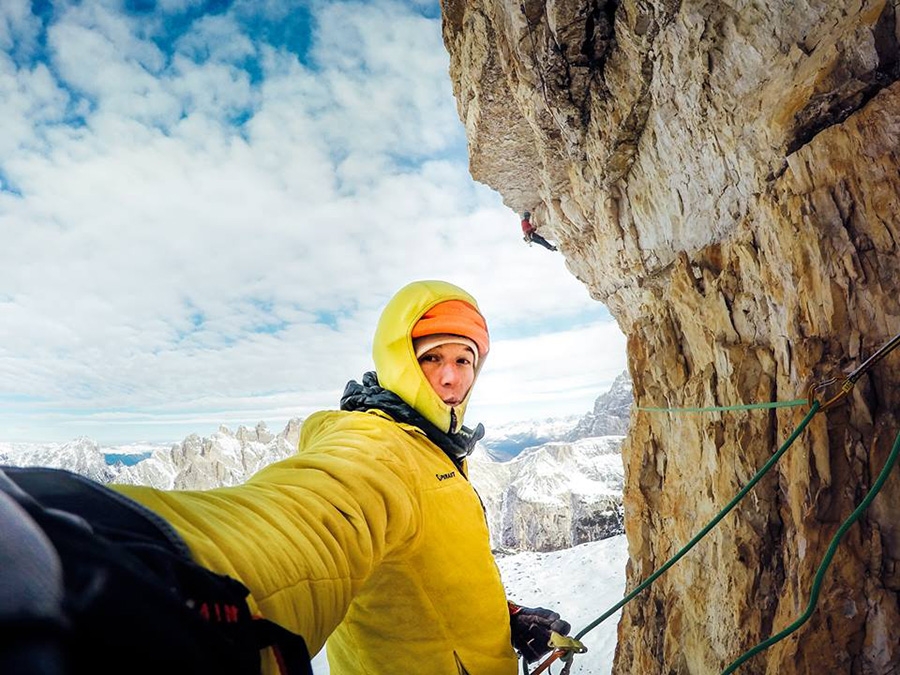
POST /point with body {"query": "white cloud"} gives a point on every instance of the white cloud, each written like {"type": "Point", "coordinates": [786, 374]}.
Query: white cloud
{"type": "Point", "coordinates": [188, 240]}
{"type": "Point", "coordinates": [217, 38]}
{"type": "Point", "coordinates": [551, 375]}
{"type": "Point", "coordinates": [386, 70]}
{"type": "Point", "coordinates": [18, 27]}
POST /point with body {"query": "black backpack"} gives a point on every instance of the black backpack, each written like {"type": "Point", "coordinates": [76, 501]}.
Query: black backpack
{"type": "Point", "coordinates": [130, 599]}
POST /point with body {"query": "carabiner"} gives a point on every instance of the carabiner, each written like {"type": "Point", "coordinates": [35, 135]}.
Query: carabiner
{"type": "Point", "coordinates": [850, 380]}
{"type": "Point", "coordinates": [566, 643]}
{"type": "Point", "coordinates": [565, 648]}
{"type": "Point", "coordinates": [846, 387]}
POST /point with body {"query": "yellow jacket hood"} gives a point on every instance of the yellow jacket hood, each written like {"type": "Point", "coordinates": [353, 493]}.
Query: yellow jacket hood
{"type": "Point", "coordinates": [395, 359]}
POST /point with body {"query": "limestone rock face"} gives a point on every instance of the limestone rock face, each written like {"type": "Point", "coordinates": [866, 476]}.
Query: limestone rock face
{"type": "Point", "coordinates": [724, 176]}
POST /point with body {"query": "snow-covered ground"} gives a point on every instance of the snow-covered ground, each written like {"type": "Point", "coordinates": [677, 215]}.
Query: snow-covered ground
{"type": "Point", "coordinates": [581, 583]}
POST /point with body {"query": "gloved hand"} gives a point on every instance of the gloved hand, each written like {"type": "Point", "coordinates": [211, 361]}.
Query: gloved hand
{"type": "Point", "coordinates": [531, 627]}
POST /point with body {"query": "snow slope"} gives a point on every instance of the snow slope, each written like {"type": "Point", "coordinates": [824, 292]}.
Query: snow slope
{"type": "Point", "coordinates": [580, 583]}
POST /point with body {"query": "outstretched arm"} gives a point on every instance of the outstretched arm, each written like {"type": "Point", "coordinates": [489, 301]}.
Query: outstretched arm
{"type": "Point", "coordinates": [305, 533]}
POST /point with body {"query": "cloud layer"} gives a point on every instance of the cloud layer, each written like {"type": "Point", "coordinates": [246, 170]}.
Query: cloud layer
{"type": "Point", "coordinates": [203, 212]}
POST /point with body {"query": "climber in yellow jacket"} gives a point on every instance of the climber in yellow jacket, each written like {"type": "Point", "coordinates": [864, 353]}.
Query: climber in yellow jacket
{"type": "Point", "coordinates": [371, 536]}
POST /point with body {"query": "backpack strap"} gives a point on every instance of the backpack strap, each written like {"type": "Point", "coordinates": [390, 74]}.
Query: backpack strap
{"type": "Point", "coordinates": [118, 517]}
{"type": "Point", "coordinates": [130, 581]}
{"type": "Point", "coordinates": [31, 592]}
{"type": "Point", "coordinates": [290, 649]}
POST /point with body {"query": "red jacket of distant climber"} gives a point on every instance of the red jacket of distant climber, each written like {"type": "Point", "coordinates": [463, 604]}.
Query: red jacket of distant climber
{"type": "Point", "coordinates": [527, 227]}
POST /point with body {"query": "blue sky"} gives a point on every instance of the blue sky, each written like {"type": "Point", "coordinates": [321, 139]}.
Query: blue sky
{"type": "Point", "coordinates": [205, 205]}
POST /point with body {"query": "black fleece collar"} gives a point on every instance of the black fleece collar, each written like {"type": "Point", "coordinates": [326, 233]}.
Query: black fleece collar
{"type": "Point", "coordinates": [370, 395]}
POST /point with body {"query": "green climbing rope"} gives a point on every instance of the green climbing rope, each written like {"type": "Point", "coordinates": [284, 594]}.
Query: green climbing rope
{"type": "Point", "coordinates": [675, 558]}
{"type": "Point", "coordinates": [725, 408]}
{"type": "Point", "coordinates": [826, 561]}
{"type": "Point", "coordinates": [815, 406]}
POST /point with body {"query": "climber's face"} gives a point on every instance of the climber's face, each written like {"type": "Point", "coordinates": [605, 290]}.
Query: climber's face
{"type": "Point", "coordinates": [450, 369]}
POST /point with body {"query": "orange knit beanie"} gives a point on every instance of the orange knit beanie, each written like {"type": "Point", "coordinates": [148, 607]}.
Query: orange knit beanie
{"type": "Point", "coordinates": [458, 318]}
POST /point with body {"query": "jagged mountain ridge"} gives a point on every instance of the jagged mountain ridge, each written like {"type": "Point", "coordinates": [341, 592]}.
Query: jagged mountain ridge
{"type": "Point", "coordinates": [194, 464]}
{"type": "Point", "coordinates": [225, 458]}
{"type": "Point", "coordinates": [81, 455]}
{"type": "Point", "coordinates": [554, 496]}
{"type": "Point", "coordinates": [506, 441]}
{"type": "Point", "coordinates": [563, 489]}
{"type": "Point", "coordinates": [610, 416]}
{"type": "Point", "coordinates": [611, 413]}
{"type": "Point", "coordinates": [197, 463]}
{"type": "Point", "coordinates": [551, 497]}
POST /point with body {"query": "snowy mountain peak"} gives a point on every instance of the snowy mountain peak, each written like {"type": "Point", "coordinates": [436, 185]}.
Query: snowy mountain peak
{"type": "Point", "coordinates": [553, 496]}
{"type": "Point", "coordinates": [611, 414]}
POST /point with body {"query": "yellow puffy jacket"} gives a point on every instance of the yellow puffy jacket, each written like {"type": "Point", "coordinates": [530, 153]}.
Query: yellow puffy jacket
{"type": "Point", "coordinates": [370, 536]}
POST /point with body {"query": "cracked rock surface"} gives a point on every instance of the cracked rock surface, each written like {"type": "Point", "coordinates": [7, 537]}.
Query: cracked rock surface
{"type": "Point", "coordinates": [724, 177]}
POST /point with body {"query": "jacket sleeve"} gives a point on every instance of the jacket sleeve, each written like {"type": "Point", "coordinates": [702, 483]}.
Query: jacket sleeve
{"type": "Point", "coordinates": [305, 533]}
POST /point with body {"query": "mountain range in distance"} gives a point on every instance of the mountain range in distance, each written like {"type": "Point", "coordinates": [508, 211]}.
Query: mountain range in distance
{"type": "Point", "coordinates": [546, 485]}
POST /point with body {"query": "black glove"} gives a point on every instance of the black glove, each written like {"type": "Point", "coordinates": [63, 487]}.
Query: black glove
{"type": "Point", "coordinates": [531, 627]}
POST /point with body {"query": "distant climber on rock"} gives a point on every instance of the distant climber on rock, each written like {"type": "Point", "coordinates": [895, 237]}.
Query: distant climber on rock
{"type": "Point", "coordinates": [531, 234]}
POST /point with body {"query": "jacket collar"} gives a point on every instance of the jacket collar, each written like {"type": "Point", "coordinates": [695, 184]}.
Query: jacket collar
{"type": "Point", "coordinates": [371, 395]}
